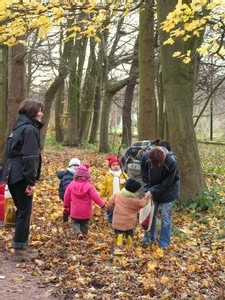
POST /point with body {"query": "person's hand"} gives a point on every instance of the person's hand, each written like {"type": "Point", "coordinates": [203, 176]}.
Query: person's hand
{"type": "Point", "coordinates": [122, 181]}
{"type": "Point", "coordinates": [29, 190]}
{"type": "Point", "coordinates": [148, 194]}
{"type": "Point", "coordinates": [104, 207]}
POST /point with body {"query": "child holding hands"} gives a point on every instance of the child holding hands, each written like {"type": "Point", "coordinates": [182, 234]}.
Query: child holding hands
{"type": "Point", "coordinates": [78, 198]}
{"type": "Point", "coordinates": [126, 205]}
{"type": "Point", "coordinates": [65, 178]}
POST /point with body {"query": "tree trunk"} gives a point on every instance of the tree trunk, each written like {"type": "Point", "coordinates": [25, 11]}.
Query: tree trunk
{"type": "Point", "coordinates": [3, 98]}
{"type": "Point", "coordinates": [126, 115]}
{"type": "Point", "coordinates": [97, 112]}
{"type": "Point", "coordinates": [72, 121]}
{"type": "Point", "coordinates": [87, 99]}
{"type": "Point", "coordinates": [179, 82]}
{"type": "Point", "coordinates": [16, 83]}
{"type": "Point", "coordinates": [98, 91]}
{"type": "Point", "coordinates": [29, 61]}
{"type": "Point", "coordinates": [161, 124]}
{"type": "Point", "coordinates": [59, 110]}
{"type": "Point", "coordinates": [104, 126]}
{"type": "Point", "coordinates": [129, 93]}
{"type": "Point", "coordinates": [111, 90]}
{"type": "Point", "coordinates": [146, 116]}
{"type": "Point", "coordinates": [74, 94]}
{"type": "Point", "coordinates": [69, 59]}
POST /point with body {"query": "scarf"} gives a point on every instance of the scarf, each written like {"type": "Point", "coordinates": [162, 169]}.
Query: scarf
{"type": "Point", "coordinates": [128, 193]}
{"type": "Point", "coordinates": [116, 180]}
{"type": "Point", "coordinates": [71, 170]}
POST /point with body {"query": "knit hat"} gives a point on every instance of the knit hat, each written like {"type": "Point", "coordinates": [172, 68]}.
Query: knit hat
{"type": "Point", "coordinates": [132, 185]}
{"type": "Point", "coordinates": [112, 159]}
{"type": "Point", "coordinates": [74, 162]}
{"type": "Point", "coordinates": [83, 171]}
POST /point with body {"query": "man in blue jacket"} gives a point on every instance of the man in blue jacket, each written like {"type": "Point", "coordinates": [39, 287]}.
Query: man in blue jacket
{"type": "Point", "coordinates": [161, 177]}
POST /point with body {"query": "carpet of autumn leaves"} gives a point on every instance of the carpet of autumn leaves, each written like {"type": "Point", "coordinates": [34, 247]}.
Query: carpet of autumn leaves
{"type": "Point", "coordinates": [192, 268]}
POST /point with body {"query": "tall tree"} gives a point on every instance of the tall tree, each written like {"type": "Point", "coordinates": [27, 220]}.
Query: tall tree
{"type": "Point", "coordinates": [97, 111]}
{"type": "Point", "coordinates": [110, 90]}
{"type": "Point", "coordinates": [16, 82]}
{"type": "Point", "coordinates": [88, 93]}
{"type": "Point", "coordinates": [68, 61]}
{"type": "Point", "coordinates": [114, 56]}
{"type": "Point", "coordinates": [3, 97]}
{"type": "Point", "coordinates": [59, 112]}
{"type": "Point", "coordinates": [147, 110]}
{"type": "Point", "coordinates": [128, 99]}
{"type": "Point", "coordinates": [179, 82]}
{"type": "Point", "coordinates": [74, 93]}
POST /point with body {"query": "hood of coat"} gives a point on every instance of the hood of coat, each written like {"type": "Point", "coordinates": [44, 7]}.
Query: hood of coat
{"type": "Point", "coordinates": [61, 174]}
{"type": "Point", "coordinates": [80, 188]}
{"type": "Point", "coordinates": [24, 119]}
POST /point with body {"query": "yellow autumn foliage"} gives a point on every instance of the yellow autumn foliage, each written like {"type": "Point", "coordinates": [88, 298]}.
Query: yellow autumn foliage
{"type": "Point", "coordinates": [192, 19]}
{"type": "Point", "coordinates": [45, 16]}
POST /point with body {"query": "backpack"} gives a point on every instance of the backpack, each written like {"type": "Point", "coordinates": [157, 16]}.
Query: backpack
{"type": "Point", "coordinates": [131, 154]}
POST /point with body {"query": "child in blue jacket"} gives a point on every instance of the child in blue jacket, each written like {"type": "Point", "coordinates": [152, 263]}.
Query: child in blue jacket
{"type": "Point", "coordinates": [65, 178]}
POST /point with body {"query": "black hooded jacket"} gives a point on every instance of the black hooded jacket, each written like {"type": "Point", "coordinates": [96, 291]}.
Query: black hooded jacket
{"type": "Point", "coordinates": [65, 178]}
{"type": "Point", "coordinates": [162, 182]}
{"type": "Point", "coordinates": [23, 152]}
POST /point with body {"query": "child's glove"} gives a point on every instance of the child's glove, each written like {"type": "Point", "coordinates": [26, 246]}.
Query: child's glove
{"type": "Point", "coordinates": [65, 218]}
{"type": "Point", "coordinates": [122, 181]}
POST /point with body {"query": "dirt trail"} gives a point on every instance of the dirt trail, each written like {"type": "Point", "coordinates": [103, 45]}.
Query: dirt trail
{"type": "Point", "coordinates": [17, 284]}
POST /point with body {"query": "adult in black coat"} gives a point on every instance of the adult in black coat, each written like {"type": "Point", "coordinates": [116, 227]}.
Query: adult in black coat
{"type": "Point", "coordinates": [22, 169]}
{"type": "Point", "coordinates": [161, 177]}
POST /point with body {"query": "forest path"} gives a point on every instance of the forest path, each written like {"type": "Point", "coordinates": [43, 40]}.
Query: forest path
{"type": "Point", "coordinates": [17, 283]}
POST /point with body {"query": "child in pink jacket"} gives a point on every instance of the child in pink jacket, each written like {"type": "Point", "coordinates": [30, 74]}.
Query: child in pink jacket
{"type": "Point", "coordinates": [78, 201]}
{"type": "Point", "coordinates": [126, 205]}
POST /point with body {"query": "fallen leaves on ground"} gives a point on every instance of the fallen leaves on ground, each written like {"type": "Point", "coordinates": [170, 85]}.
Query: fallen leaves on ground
{"type": "Point", "coordinates": [191, 268]}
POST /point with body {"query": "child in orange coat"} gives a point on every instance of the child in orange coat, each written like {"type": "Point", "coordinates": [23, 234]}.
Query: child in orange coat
{"type": "Point", "coordinates": [126, 205]}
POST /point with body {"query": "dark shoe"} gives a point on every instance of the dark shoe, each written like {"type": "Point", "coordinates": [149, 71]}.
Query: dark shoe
{"type": "Point", "coordinates": [65, 218]}
{"type": "Point", "coordinates": [20, 255]}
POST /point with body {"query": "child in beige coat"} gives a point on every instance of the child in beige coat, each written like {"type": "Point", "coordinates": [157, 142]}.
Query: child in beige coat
{"type": "Point", "coordinates": [126, 205]}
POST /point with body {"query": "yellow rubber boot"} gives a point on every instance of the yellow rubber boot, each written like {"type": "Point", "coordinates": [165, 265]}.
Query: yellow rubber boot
{"type": "Point", "coordinates": [129, 240]}
{"type": "Point", "coordinates": [119, 240]}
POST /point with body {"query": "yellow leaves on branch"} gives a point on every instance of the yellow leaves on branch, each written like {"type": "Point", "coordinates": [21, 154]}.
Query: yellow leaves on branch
{"type": "Point", "coordinates": [17, 19]}
{"type": "Point", "coordinates": [190, 20]}
{"type": "Point", "coordinates": [186, 58]}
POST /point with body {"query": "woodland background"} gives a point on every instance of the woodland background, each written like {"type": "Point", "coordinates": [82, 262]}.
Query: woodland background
{"type": "Point", "coordinates": [150, 68]}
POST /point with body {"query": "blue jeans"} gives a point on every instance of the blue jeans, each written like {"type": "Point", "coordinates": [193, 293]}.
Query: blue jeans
{"type": "Point", "coordinates": [166, 224]}
{"type": "Point", "coordinates": [23, 204]}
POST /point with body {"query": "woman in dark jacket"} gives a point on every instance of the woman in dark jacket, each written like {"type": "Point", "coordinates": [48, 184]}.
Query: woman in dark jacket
{"type": "Point", "coordinates": [161, 177]}
{"type": "Point", "coordinates": [22, 169]}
